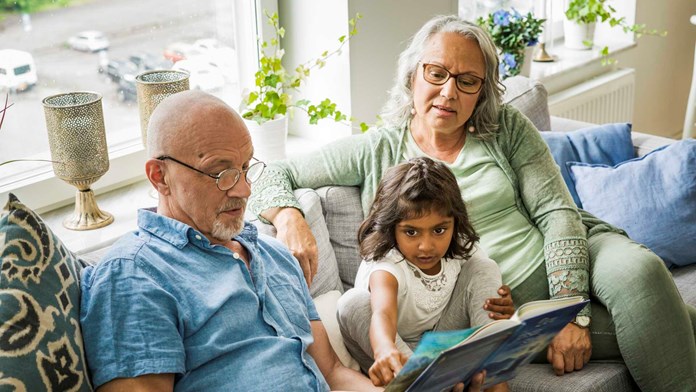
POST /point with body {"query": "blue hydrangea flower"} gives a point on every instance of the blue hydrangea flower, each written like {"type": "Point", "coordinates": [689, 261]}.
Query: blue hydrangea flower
{"type": "Point", "coordinates": [509, 60]}
{"type": "Point", "coordinates": [501, 18]}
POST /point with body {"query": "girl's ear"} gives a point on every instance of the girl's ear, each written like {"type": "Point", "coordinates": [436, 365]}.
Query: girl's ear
{"type": "Point", "coordinates": [155, 172]}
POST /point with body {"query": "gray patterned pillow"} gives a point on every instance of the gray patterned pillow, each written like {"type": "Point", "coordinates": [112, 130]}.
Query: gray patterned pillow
{"type": "Point", "coordinates": [40, 338]}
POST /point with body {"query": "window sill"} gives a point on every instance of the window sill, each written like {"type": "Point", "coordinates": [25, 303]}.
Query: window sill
{"type": "Point", "coordinates": [123, 203]}
{"type": "Point", "coordinates": [574, 66]}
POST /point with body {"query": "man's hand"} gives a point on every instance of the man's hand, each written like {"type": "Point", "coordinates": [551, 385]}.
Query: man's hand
{"type": "Point", "coordinates": [387, 365]}
{"type": "Point", "coordinates": [293, 230]}
{"type": "Point", "coordinates": [570, 350]}
{"type": "Point", "coordinates": [500, 308]}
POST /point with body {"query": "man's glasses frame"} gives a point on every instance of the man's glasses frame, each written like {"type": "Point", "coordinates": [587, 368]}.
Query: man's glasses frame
{"type": "Point", "coordinates": [255, 169]}
{"type": "Point", "coordinates": [437, 82]}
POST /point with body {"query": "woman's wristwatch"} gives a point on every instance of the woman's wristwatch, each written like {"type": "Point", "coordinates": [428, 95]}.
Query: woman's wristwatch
{"type": "Point", "coordinates": [582, 321]}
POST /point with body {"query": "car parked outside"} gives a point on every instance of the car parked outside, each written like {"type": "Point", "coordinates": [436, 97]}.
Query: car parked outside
{"type": "Point", "coordinates": [118, 69]}
{"type": "Point", "coordinates": [202, 74]}
{"type": "Point", "coordinates": [148, 61]}
{"type": "Point", "coordinates": [89, 41]}
{"type": "Point", "coordinates": [126, 90]}
{"type": "Point", "coordinates": [17, 70]}
{"type": "Point", "coordinates": [178, 51]}
{"type": "Point", "coordinates": [219, 55]}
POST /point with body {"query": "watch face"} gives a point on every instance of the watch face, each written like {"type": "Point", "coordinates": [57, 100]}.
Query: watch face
{"type": "Point", "coordinates": [582, 321]}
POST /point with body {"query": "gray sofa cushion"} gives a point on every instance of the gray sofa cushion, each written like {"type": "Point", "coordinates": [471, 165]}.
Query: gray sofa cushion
{"type": "Point", "coordinates": [594, 377]}
{"type": "Point", "coordinates": [327, 276]}
{"type": "Point", "coordinates": [343, 215]}
{"type": "Point", "coordinates": [529, 96]}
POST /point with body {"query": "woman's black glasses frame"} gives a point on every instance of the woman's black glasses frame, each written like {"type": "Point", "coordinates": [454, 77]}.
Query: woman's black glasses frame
{"type": "Point", "coordinates": [223, 180]}
{"type": "Point", "coordinates": [463, 85]}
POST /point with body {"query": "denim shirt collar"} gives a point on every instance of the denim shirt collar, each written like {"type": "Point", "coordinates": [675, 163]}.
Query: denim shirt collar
{"type": "Point", "coordinates": [180, 234]}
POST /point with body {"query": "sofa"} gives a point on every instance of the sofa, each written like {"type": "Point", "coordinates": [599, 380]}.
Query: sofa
{"type": "Point", "coordinates": [40, 339]}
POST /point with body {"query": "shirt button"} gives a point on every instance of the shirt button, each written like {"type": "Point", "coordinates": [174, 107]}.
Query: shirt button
{"type": "Point", "coordinates": [198, 237]}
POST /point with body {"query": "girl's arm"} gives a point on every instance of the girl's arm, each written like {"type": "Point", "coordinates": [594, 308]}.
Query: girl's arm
{"type": "Point", "coordinates": [384, 300]}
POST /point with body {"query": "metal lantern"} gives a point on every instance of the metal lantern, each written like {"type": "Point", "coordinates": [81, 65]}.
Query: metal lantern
{"type": "Point", "coordinates": [77, 139]}
{"type": "Point", "coordinates": [154, 86]}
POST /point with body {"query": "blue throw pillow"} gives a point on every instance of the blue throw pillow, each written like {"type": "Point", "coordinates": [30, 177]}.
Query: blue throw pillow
{"type": "Point", "coordinates": [608, 144]}
{"type": "Point", "coordinates": [653, 198]}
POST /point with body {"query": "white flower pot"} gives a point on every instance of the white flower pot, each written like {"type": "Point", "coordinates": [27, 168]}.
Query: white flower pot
{"type": "Point", "coordinates": [527, 63]}
{"type": "Point", "coordinates": [576, 33]}
{"type": "Point", "coordinates": [269, 139]}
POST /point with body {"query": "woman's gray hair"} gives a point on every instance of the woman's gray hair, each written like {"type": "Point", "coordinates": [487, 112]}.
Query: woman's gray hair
{"type": "Point", "coordinates": [397, 111]}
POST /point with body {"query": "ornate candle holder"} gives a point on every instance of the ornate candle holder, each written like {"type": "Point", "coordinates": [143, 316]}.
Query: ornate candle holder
{"type": "Point", "coordinates": [77, 140]}
{"type": "Point", "coordinates": [154, 86]}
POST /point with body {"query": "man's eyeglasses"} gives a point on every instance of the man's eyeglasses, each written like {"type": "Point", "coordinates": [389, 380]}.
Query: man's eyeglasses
{"type": "Point", "coordinates": [227, 178]}
{"type": "Point", "coordinates": [438, 75]}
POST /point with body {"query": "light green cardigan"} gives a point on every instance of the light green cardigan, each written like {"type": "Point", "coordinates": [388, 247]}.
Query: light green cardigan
{"type": "Point", "coordinates": [541, 194]}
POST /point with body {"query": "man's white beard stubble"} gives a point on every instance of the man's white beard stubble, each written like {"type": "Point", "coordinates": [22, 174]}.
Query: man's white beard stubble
{"type": "Point", "coordinates": [225, 231]}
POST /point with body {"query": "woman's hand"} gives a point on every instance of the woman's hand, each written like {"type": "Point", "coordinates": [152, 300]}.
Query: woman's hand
{"type": "Point", "coordinates": [500, 308]}
{"type": "Point", "coordinates": [570, 350]}
{"type": "Point", "coordinates": [293, 230]}
{"type": "Point", "coordinates": [387, 364]}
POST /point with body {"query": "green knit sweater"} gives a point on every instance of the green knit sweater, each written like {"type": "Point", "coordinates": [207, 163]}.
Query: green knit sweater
{"type": "Point", "coordinates": [540, 193]}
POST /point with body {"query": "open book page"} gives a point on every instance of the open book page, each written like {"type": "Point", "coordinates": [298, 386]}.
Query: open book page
{"type": "Point", "coordinates": [535, 308]}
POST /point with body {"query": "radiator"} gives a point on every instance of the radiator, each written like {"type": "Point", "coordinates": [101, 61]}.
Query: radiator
{"type": "Point", "coordinates": [604, 99]}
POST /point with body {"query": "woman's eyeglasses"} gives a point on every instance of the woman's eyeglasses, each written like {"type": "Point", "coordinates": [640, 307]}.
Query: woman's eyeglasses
{"type": "Point", "coordinates": [439, 75]}
{"type": "Point", "coordinates": [227, 178]}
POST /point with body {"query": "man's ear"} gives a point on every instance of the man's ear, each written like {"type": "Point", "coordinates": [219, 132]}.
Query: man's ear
{"type": "Point", "coordinates": [155, 172]}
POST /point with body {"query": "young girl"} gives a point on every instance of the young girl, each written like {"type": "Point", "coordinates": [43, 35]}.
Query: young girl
{"type": "Point", "coordinates": [421, 269]}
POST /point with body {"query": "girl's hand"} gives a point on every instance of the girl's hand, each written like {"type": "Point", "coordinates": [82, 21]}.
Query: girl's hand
{"type": "Point", "coordinates": [500, 308]}
{"type": "Point", "coordinates": [387, 365]}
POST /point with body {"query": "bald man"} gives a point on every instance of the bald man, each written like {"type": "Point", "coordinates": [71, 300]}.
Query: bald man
{"type": "Point", "coordinates": [195, 299]}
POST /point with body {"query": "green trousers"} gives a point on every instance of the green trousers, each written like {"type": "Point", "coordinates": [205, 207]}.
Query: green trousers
{"type": "Point", "coordinates": [637, 313]}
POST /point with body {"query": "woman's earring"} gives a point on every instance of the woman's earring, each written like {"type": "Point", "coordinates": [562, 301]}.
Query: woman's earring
{"type": "Point", "coordinates": [472, 129]}
{"type": "Point", "coordinates": [413, 111]}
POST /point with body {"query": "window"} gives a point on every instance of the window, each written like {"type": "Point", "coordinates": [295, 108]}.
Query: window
{"type": "Point", "coordinates": [101, 46]}
{"type": "Point", "coordinates": [22, 70]}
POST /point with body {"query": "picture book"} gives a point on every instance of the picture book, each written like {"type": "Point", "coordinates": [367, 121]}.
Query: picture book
{"type": "Point", "coordinates": [445, 358]}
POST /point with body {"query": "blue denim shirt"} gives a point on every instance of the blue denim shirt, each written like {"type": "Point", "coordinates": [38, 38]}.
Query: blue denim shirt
{"type": "Point", "coordinates": [165, 300]}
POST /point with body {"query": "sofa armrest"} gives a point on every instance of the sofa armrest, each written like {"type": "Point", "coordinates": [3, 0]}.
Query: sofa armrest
{"type": "Point", "coordinates": [643, 143]}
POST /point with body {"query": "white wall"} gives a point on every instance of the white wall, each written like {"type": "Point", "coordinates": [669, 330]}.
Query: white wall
{"type": "Point", "coordinates": [663, 66]}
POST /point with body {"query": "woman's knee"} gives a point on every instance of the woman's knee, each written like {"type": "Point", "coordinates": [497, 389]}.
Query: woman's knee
{"type": "Point", "coordinates": [624, 261]}
{"type": "Point", "coordinates": [620, 266]}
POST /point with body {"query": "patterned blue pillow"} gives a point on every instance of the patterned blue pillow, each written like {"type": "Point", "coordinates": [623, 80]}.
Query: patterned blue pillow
{"type": "Point", "coordinates": [652, 197]}
{"type": "Point", "coordinates": [607, 144]}
{"type": "Point", "coordinates": [40, 338]}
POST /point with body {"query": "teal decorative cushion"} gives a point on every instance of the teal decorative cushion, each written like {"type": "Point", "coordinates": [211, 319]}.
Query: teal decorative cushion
{"type": "Point", "coordinates": [607, 144]}
{"type": "Point", "coordinates": [653, 198]}
{"type": "Point", "coordinates": [40, 338]}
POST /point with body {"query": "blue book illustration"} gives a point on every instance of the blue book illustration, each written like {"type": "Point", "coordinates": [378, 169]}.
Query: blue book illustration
{"type": "Point", "coordinates": [445, 358]}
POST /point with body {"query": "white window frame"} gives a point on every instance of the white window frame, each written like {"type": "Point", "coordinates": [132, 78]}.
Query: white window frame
{"type": "Point", "coordinates": [41, 190]}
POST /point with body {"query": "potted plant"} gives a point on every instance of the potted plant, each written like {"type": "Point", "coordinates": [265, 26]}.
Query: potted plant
{"type": "Point", "coordinates": [266, 106]}
{"type": "Point", "coordinates": [582, 17]}
{"type": "Point", "coordinates": [515, 36]}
